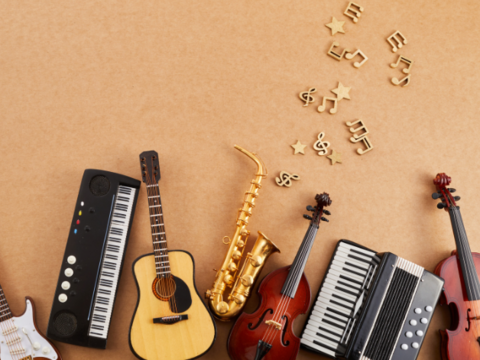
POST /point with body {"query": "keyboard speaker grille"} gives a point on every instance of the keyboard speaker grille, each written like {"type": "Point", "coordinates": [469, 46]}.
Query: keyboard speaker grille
{"type": "Point", "coordinates": [99, 185]}
{"type": "Point", "coordinates": [65, 324]}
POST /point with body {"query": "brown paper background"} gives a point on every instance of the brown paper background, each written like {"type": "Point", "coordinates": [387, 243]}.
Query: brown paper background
{"type": "Point", "coordinates": [91, 84]}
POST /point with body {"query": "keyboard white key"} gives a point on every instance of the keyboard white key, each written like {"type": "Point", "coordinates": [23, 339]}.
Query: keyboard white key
{"type": "Point", "coordinates": [111, 263]}
{"type": "Point", "coordinates": [350, 269]}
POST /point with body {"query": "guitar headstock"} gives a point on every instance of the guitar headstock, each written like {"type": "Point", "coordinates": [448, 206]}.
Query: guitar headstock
{"type": "Point", "coordinates": [150, 167]}
{"type": "Point", "coordinates": [318, 211]}
{"type": "Point", "coordinates": [444, 193]}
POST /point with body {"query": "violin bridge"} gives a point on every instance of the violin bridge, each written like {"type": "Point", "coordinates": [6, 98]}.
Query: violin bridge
{"type": "Point", "coordinates": [277, 325]}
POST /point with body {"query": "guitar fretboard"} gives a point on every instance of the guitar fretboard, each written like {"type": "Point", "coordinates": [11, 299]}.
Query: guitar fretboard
{"type": "Point", "coordinates": [5, 312]}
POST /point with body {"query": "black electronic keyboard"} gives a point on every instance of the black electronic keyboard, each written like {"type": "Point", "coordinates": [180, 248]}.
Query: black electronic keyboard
{"type": "Point", "coordinates": [371, 306]}
{"type": "Point", "coordinates": [93, 259]}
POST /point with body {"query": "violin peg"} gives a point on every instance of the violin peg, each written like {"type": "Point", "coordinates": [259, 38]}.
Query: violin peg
{"type": "Point", "coordinates": [457, 198]}
{"type": "Point", "coordinates": [308, 217]}
{"type": "Point", "coordinates": [440, 205]}
{"type": "Point", "coordinates": [310, 208]}
{"type": "Point", "coordinates": [326, 212]}
{"type": "Point", "coordinates": [436, 195]}
{"type": "Point", "coordinates": [324, 219]}
{"type": "Point", "coordinates": [452, 190]}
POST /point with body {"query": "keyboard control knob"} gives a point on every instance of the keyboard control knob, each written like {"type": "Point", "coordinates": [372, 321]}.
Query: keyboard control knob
{"type": "Point", "coordinates": [419, 333]}
{"type": "Point", "coordinates": [68, 272]}
{"type": "Point", "coordinates": [71, 259]}
{"type": "Point", "coordinates": [65, 285]}
{"type": "Point", "coordinates": [408, 334]}
{"type": "Point", "coordinates": [62, 298]}
{"type": "Point", "coordinates": [36, 345]}
{"type": "Point", "coordinates": [415, 345]}
{"type": "Point", "coordinates": [423, 320]}
{"type": "Point", "coordinates": [428, 309]}
{"type": "Point", "coordinates": [413, 322]}
{"type": "Point", "coordinates": [45, 350]}
{"type": "Point", "coordinates": [418, 311]}
{"type": "Point", "coordinates": [404, 347]}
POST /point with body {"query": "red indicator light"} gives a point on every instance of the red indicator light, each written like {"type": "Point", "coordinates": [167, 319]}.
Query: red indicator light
{"type": "Point", "coordinates": [78, 222]}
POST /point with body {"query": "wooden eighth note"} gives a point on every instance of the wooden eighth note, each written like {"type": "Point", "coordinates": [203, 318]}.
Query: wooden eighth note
{"type": "Point", "coordinates": [399, 39]}
{"type": "Point", "coordinates": [397, 82]}
{"type": "Point", "coordinates": [355, 11]}
{"type": "Point", "coordinates": [402, 59]}
{"type": "Point", "coordinates": [362, 137]}
{"type": "Point", "coordinates": [350, 56]}
{"type": "Point", "coordinates": [335, 55]}
{"type": "Point", "coordinates": [333, 110]}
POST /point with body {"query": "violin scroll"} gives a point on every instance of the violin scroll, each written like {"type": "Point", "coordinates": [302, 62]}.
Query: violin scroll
{"type": "Point", "coordinates": [443, 193]}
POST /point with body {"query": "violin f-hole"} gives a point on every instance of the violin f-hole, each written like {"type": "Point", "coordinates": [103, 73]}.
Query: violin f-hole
{"type": "Point", "coordinates": [284, 330]}
{"type": "Point", "coordinates": [468, 319]}
{"type": "Point", "coordinates": [250, 327]}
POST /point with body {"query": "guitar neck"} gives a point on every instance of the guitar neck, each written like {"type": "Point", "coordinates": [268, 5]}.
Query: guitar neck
{"type": "Point", "coordinates": [470, 277]}
{"type": "Point", "coordinates": [157, 227]}
{"type": "Point", "coordinates": [5, 312]}
{"type": "Point", "coordinates": [296, 270]}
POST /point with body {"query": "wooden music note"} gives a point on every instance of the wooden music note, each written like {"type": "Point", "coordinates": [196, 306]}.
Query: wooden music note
{"type": "Point", "coordinates": [350, 56]}
{"type": "Point", "coordinates": [285, 179]}
{"type": "Point", "coordinates": [402, 59]}
{"type": "Point", "coordinates": [333, 110]}
{"type": "Point", "coordinates": [334, 54]}
{"type": "Point", "coordinates": [305, 96]}
{"type": "Point", "coordinates": [397, 82]}
{"type": "Point", "coordinates": [399, 39]}
{"type": "Point", "coordinates": [356, 11]}
{"type": "Point", "coordinates": [321, 145]}
{"type": "Point", "coordinates": [360, 127]}
{"type": "Point", "coordinates": [366, 142]}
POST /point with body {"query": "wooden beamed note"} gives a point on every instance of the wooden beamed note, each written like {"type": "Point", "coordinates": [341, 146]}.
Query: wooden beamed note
{"type": "Point", "coordinates": [399, 39]}
{"type": "Point", "coordinates": [353, 11]}
{"type": "Point", "coordinates": [360, 137]}
{"type": "Point", "coordinates": [350, 56]}
{"type": "Point", "coordinates": [322, 107]}
{"type": "Point", "coordinates": [335, 55]}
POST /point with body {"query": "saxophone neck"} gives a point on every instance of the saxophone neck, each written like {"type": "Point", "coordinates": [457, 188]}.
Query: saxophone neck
{"type": "Point", "coordinates": [261, 168]}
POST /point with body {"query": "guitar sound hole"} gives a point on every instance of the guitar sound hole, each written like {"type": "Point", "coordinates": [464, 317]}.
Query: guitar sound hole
{"type": "Point", "coordinates": [164, 288]}
{"type": "Point", "coordinates": [268, 311]}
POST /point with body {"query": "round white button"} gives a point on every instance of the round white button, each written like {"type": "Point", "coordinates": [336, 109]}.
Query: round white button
{"type": "Point", "coordinates": [68, 272]}
{"type": "Point", "coordinates": [415, 345]}
{"type": "Point", "coordinates": [413, 322]}
{"type": "Point", "coordinates": [45, 350]}
{"type": "Point", "coordinates": [418, 311]}
{"type": "Point", "coordinates": [409, 334]}
{"type": "Point", "coordinates": [65, 285]}
{"type": "Point", "coordinates": [71, 259]}
{"type": "Point", "coordinates": [404, 347]}
{"type": "Point", "coordinates": [36, 346]}
{"type": "Point", "coordinates": [82, 203]}
{"type": "Point", "coordinates": [419, 333]}
{"type": "Point", "coordinates": [428, 308]}
{"type": "Point", "coordinates": [62, 298]}
{"type": "Point", "coordinates": [423, 320]}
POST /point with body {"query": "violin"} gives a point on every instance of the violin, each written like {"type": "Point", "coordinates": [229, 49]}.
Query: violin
{"type": "Point", "coordinates": [285, 293]}
{"type": "Point", "coordinates": [462, 287]}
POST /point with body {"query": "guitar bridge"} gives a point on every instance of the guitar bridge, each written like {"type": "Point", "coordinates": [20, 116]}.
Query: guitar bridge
{"type": "Point", "coordinates": [169, 320]}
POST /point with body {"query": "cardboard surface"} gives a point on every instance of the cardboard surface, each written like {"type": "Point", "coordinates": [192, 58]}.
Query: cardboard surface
{"type": "Point", "coordinates": [92, 84]}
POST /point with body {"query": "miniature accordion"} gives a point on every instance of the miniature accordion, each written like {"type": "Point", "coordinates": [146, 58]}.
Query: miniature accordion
{"type": "Point", "coordinates": [91, 267]}
{"type": "Point", "coordinates": [371, 306]}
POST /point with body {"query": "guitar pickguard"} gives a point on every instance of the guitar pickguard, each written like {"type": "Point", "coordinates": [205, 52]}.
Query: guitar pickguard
{"type": "Point", "coordinates": [182, 299]}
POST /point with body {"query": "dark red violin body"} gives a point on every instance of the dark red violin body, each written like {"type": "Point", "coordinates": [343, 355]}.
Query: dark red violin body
{"type": "Point", "coordinates": [250, 328]}
{"type": "Point", "coordinates": [457, 343]}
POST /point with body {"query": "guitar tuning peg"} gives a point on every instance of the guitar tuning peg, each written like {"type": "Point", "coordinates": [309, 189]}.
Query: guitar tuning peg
{"type": "Point", "coordinates": [436, 195]}
{"type": "Point", "coordinates": [457, 198]}
{"type": "Point", "coordinates": [440, 205]}
{"type": "Point", "coordinates": [326, 212]}
{"type": "Point", "coordinates": [452, 190]}
{"type": "Point", "coordinates": [310, 208]}
{"type": "Point", "coordinates": [308, 217]}
{"type": "Point", "coordinates": [324, 219]}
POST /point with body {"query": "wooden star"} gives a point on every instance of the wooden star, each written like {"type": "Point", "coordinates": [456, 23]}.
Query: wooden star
{"type": "Point", "coordinates": [341, 92]}
{"type": "Point", "coordinates": [299, 148]}
{"type": "Point", "coordinates": [336, 26]}
{"type": "Point", "coordinates": [335, 157]}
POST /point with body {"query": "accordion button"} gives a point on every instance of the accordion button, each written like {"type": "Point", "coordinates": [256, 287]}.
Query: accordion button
{"type": "Point", "coordinates": [428, 308]}
{"type": "Point", "coordinates": [419, 333]}
{"type": "Point", "coordinates": [418, 311]}
{"type": "Point", "coordinates": [404, 347]}
{"type": "Point", "coordinates": [409, 334]}
{"type": "Point", "coordinates": [413, 322]}
{"type": "Point", "coordinates": [415, 345]}
{"type": "Point", "coordinates": [423, 320]}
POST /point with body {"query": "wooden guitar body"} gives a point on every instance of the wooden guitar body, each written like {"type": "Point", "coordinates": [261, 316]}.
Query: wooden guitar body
{"type": "Point", "coordinates": [250, 328]}
{"type": "Point", "coordinates": [186, 339]}
{"type": "Point", "coordinates": [457, 342]}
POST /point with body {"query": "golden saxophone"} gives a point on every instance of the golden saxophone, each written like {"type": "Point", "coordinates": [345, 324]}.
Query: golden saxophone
{"type": "Point", "coordinates": [254, 260]}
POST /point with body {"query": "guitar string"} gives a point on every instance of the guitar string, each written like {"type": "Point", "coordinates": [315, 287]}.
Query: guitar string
{"type": "Point", "coordinates": [167, 285]}
{"type": "Point", "coordinates": [285, 299]}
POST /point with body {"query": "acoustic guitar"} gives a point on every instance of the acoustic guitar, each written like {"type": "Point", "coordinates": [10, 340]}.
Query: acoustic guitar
{"type": "Point", "coordinates": [171, 322]}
